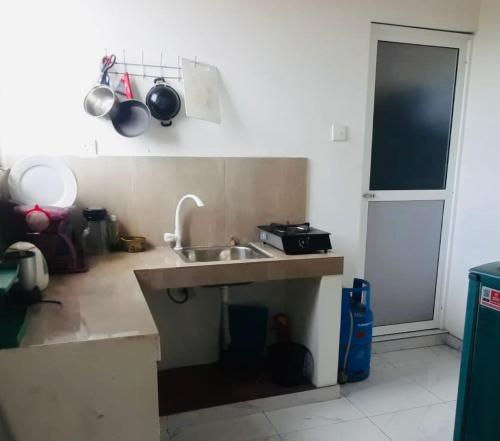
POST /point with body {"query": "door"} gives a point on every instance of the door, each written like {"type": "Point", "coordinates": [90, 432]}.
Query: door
{"type": "Point", "coordinates": [416, 88]}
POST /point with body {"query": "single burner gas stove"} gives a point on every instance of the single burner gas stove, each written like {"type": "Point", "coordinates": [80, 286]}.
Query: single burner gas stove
{"type": "Point", "coordinates": [296, 238]}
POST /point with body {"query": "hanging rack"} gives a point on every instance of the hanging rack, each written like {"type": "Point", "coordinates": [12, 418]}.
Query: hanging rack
{"type": "Point", "coordinates": [172, 72]}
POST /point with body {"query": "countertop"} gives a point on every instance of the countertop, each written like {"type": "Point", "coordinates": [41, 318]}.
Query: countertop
{"type": "Point", "coordinates": [107, 301]}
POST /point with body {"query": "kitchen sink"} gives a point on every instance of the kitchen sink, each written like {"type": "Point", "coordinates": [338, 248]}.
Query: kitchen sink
{"type": "Point", "coordinates": [221, 253]}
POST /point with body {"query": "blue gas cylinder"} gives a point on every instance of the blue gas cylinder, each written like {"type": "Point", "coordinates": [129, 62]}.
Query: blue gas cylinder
{"type": "Point", "coordinates": [356, 326]}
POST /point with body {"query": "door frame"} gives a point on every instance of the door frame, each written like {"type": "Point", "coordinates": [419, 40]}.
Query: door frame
{"type": "Point", "coordinates": [411, 35]}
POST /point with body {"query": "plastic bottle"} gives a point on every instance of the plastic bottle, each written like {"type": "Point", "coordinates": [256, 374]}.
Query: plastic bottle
{"type": "Point", "coordinates": [113, 233]}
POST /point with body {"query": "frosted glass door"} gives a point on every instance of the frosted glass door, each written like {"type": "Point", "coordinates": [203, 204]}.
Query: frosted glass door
{"type": "Point", "coordinates": [414, 91]}
{"type": "Point", "coordinates": [415, 95]}
{"type": "Point", "coordinates": [402, 257]}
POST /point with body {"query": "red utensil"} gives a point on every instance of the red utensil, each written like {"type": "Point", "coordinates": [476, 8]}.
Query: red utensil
{"type": "Point", "coordinates": [133, 116]}
{"type": "Point", "coordinates": [124, 87]}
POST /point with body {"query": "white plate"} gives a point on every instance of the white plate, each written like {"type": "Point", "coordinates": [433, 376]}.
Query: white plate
{"type": "Point", "coordinates": [43, 180]}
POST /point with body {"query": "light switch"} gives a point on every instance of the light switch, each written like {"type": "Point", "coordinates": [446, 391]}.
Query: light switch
{"type": "Point", "coordinates": [339, 133]}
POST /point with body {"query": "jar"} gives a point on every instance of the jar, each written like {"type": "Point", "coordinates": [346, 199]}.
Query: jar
{"type": "Point", "coordinates": [95, 235]}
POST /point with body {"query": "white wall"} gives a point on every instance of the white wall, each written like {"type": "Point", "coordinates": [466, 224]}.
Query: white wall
{"type": "Point", "coordinates": [477, 233]}
{"type": "Point", "coordinates": [288, 69]}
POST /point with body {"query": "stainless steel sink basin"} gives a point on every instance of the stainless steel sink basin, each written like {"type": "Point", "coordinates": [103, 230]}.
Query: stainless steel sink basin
{"type": "Point", "coordinates": [221, 254]}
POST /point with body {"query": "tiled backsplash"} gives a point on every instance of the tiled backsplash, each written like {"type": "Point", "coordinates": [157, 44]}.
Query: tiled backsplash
{"type": "Point", "coordinates": [239, 194]}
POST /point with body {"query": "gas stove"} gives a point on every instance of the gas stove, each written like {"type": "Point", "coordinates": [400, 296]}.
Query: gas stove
{"type": "Point", "coordinates": [295, 238]}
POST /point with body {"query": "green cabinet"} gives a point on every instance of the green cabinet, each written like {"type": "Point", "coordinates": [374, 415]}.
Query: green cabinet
{"type": "Point", "coordinates": [478, 403]}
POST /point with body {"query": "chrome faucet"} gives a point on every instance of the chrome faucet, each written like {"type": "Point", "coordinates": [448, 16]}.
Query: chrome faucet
{"type": "Point", "coordinates": [177, 236]}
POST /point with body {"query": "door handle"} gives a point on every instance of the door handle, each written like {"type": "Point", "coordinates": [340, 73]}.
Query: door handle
{"type": "Point", "coordinates": [369, 195]}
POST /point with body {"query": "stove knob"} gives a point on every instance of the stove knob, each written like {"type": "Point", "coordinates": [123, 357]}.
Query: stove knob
{"type": "Point", "coordinates": [304, 242]}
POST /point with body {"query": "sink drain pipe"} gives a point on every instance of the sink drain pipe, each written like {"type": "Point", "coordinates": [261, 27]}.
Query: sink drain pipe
{"type": "Point", "coordinates": [224, 321]}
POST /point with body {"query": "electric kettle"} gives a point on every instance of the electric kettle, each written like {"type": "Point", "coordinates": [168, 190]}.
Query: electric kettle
{"type": "Point", "coordinates": [40, 275]}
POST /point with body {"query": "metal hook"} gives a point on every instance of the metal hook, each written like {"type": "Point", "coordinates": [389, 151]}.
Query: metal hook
{"type": "Point", "coordinates": [143, 66]}
{"type": "Point", "coordinates": [178, 68]}
{"type": "Point", "coordinates": [161, 64]}
{"type": "Point", "coordinates": [124, 62]}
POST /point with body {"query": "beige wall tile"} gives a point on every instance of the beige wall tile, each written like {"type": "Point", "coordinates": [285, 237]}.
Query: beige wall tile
{"type": "Point", "coordinates": [104, 182]}
{"type": "Point", "coordinates": [264, 190]}
{"type": "Point", "coordinates": [158, 185]}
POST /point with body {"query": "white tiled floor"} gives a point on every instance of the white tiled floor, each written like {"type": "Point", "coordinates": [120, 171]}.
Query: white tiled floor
{"type": "Point", "coordinates": [410, 396]}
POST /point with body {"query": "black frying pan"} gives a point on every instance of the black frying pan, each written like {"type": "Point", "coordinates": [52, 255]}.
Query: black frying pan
{"type": "Point", "coordinates": [163, 102]}
{"type": "Point", "coordinates": [133, 116]}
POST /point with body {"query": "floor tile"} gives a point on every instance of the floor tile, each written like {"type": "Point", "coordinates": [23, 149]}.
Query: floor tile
{"type": "Point", "coordinates": [410, 355]}
{"type": "Point", "coordinates": [234, 410]}
{"type": "Point", "coordinates": [436, 369]}
{"type": "Point", "coordinates": [359, 430]}
{"type": "Point", "coordinates": [211, 414]}
{"type": "Point", "coordinates": [387, 390]}
{"type": "Point", "coordinates": [431, 423]}
{"type": "Point", "coordinates": [163, 429]}
{"type": "Point", "coordinates": [447, 350]}
{"type": "Point", "coordinates": [296, 399]}
{"type": "Point", "coordinates": [245, 428]}
{"type": "Point", "coordinates": [378, 361]}
{"type": "Point", "coordinates": [269, 438]}
{"type": "Point", "coordinates": [313, 415]}
{"type": "Point", "coordinates": [439, 376]}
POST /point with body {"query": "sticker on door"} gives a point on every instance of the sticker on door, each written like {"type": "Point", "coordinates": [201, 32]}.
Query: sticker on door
{"type": "Point", "coordinates": [490, 298]}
